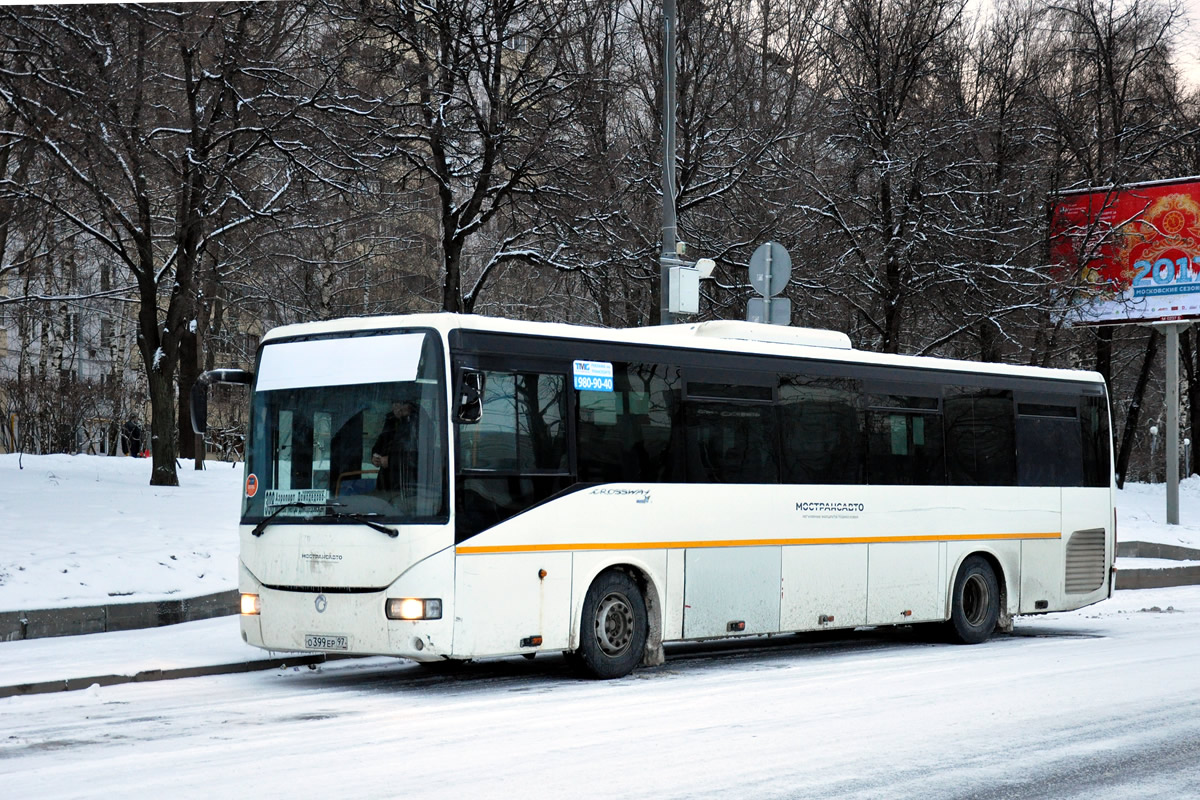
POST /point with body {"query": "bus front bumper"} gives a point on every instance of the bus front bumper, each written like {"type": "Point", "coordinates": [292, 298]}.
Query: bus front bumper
{"type": "Point", "coordinates": [334, 621]}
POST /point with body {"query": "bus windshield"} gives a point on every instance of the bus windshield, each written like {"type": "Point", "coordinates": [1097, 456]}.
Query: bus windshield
{"type": "Point", "coordinates": [349, 426]}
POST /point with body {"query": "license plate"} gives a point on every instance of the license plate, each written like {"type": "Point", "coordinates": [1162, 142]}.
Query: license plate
{"type": "Point", "coordinates": [323, 641]}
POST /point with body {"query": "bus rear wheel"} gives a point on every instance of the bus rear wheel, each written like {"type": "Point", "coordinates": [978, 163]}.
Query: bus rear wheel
{"type": "Point", "coordinates": [613, 632]}
{"type": "Point", "coordinates": [975, 606]}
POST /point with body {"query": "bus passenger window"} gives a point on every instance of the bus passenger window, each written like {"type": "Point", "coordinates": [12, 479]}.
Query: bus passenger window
{"type": "Point", "coordinates": [1049, 445]}
{"type": "Point", "coordinates": [522, 427]}
{"type": "Point", "coordinates": [981, 444]}
{"type": "Point", "coordinates": [821, 430]}
{"type": "Point", "coordinates": [541, 422]}
{"type": "Point", "coordinates": [625, 435]}
{"type": "Point", "coordinates": [905, 448]}
{"type": "Point", "coordinates": [731, 443]}
{"type": "Point", "coordinates": [491, 443]}
{"type": "Point", "coordinates": [1097, 443]}
{"type": "Point", "coordinates": [731, 429]}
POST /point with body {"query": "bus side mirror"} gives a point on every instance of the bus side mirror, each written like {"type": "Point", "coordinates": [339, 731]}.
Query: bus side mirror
{"type": "Point", "coordinates": [199, 399]}
{"type": "Point", "coordinates": [470, 397]}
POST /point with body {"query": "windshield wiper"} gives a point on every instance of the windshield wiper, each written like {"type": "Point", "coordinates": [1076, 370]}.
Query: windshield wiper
{"type": "Point", "coordinates": [260, 527]}
{"type": "Point", "coordinates": [365, 519]}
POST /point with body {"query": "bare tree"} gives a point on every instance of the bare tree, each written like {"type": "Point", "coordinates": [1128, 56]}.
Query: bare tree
{"type": "Point", "coordinates": [174, 127]}
{"type": "Point", "coordinates": [475, 94]}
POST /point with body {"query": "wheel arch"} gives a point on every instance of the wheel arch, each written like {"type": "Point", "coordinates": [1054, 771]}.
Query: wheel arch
{"type": "Point", "coordinates": [1004, 623]}
{"type": "Point", "coordinates": [647, 581]}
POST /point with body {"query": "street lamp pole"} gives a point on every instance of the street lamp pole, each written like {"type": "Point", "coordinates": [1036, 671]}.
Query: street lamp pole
{"type": "Point", "coordinates": [668, 255]}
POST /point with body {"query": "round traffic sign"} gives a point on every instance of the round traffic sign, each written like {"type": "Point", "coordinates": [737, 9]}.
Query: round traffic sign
{"type": "Point", "coordinates": [770, 269]}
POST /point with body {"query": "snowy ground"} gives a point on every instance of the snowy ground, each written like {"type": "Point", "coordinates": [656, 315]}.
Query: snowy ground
{"type": "Point", "coordinates": [89, 530]}
{"type": "Point", "coordinates": [1097, 704]}
{"type": "Point", "coordinates": [1142, 514]}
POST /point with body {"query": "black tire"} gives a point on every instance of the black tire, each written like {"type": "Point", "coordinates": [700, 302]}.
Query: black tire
{"type": "Point", "coordinates": [975, 605]}
{"type": "Point", "coordinates": [613, 629]}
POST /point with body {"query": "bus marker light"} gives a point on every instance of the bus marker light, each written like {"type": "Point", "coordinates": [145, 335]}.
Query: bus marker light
{"type": "Point", "coordinates": [825, 619]}
{"type": "Point", "coordinates": [906, 613]}
{"type": "Point", "coordinates": [413, 608]}
{"type": "Point", "coordinates": [251, 605]}
{"type": "Point", "coordinates": [542, 574]}
{"type": "Point", "coordinates": [737, 625]}
{"type": "Point", "coordinates": [531, 641]}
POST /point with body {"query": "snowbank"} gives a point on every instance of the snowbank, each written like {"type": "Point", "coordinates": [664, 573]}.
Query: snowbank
{"type": "Point", "coordinates": [89, 530]}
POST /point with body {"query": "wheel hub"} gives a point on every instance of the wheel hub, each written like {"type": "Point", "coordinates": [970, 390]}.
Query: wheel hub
{"type": "Point", "coordinates": [614, 624]}
{"type": "Point", "coordinates": [975, 600]}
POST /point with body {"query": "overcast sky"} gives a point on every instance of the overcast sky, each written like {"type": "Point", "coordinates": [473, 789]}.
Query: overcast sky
{"type": "Point", "coordinates": [1188, 49]}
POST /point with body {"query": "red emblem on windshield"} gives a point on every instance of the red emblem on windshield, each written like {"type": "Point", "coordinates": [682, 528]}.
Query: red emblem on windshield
{"type": "Point", "coordinates": [251, 485]}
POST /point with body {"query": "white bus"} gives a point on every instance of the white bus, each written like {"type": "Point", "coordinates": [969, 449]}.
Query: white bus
{"type": "Point", "coordinates": [445, 487]}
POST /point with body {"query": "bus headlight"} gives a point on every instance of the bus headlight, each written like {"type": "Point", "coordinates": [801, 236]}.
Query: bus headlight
{"type": "Point", "coordinates": [414, 608]}
{"type": "Point", "coordinates": [251, 605]}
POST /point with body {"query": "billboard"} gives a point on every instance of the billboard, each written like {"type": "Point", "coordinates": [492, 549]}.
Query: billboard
{"type": "Point", "coordinates": [1130, 254]}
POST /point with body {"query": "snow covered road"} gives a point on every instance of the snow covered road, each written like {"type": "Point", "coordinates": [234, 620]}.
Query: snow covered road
{"type": "Point", "coordinates": [1100, 703]}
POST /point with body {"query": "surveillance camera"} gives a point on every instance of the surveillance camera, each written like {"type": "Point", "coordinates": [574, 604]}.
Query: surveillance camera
{"type": "Point", "coordinates": [706, 267]}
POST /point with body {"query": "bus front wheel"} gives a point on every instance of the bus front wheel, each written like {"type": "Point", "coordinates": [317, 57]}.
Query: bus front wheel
{"type": "Point", "coordinates": [614, 627]}
{"type": "Point", "coordinates": [975, 607]}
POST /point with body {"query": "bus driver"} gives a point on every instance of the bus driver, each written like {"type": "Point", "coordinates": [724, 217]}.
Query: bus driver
{"type": "Point", "coordinates": [395, 450]}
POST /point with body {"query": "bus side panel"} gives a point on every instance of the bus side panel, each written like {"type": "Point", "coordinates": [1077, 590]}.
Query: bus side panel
{"type": "Point", "coordinates": [673, 596]}
{"type": "Point", "coordinates": [729, 585]}
{"type": "Point", "coordinates": [824, 581]}
{"type": "Point", "coordinates": [1041, 575]}
{"type": "Point", "coordinates": [1087, 520]}
{"type": "Point", "coordinates": [902, 583]}
{"type": "Point", "coordinates": [500, 599]}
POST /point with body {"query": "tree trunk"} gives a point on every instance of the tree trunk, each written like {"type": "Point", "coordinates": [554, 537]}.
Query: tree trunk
{"type": "Point", "coordinates": [1135, 408]}
{"type": "Point", "coordinates": [162, 429]}
{"type": "Point", "coordinates": [1104, 346]}
{"type": "Point", "coordinates": [989, 344]}
{"type": "Point", "coordinates": [452, 299]}
{"type": "Point", "coordinates": [159, 361]}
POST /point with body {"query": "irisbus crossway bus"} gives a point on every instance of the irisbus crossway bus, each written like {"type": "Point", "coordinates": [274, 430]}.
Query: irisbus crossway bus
{"type": "Point", "coordinates": [446, 487]}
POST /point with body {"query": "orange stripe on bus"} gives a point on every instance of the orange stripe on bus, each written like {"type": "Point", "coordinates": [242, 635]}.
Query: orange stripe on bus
{"type": "Point", "coordinates": [466, 550]}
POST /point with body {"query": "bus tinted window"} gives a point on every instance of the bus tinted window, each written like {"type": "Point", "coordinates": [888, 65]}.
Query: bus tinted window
{"type": "Point", "coordinates": [731, 443]}
{"type": "Point", "coordinates": [541, 422]}
{"type": "Point", "coordinates": [905, 448]}
{"type": "Point", "coordinates": [1049, 450]}
{"type": "Point", "coordinates": [522, 427]}
{"type": "Point", "coordinates": [821, 431]}
{"type": "Point", "coordinates": [981, 440]}
{"type": "Point", "coordinates": [1097, 469]}
{"type": "Point", "coordinates": [626, 434]}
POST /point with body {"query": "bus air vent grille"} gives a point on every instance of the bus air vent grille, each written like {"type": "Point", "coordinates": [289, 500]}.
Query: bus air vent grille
{"type": "Point", "coordinates": [1085, 561]}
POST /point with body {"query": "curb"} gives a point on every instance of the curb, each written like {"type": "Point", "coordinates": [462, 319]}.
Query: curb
{"type": "Point", "coordinates": [1157, 578]}
{"type": "Point", "coordinates": [1171, 552]}
{"type": "Point", "coordinates": [45, 623]}
{"type": "Point", "coordinates": [150, 675]}
{"type": "Point", "coordinates": [1152, 578]}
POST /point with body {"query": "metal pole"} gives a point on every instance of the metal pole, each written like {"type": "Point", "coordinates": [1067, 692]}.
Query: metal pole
{"type": "Point", "coordinates": [767, 283]}
{"type": "Point", "coordinates": [665, 317]}
{"type": "Point", "coordinates": [1173, 424]}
